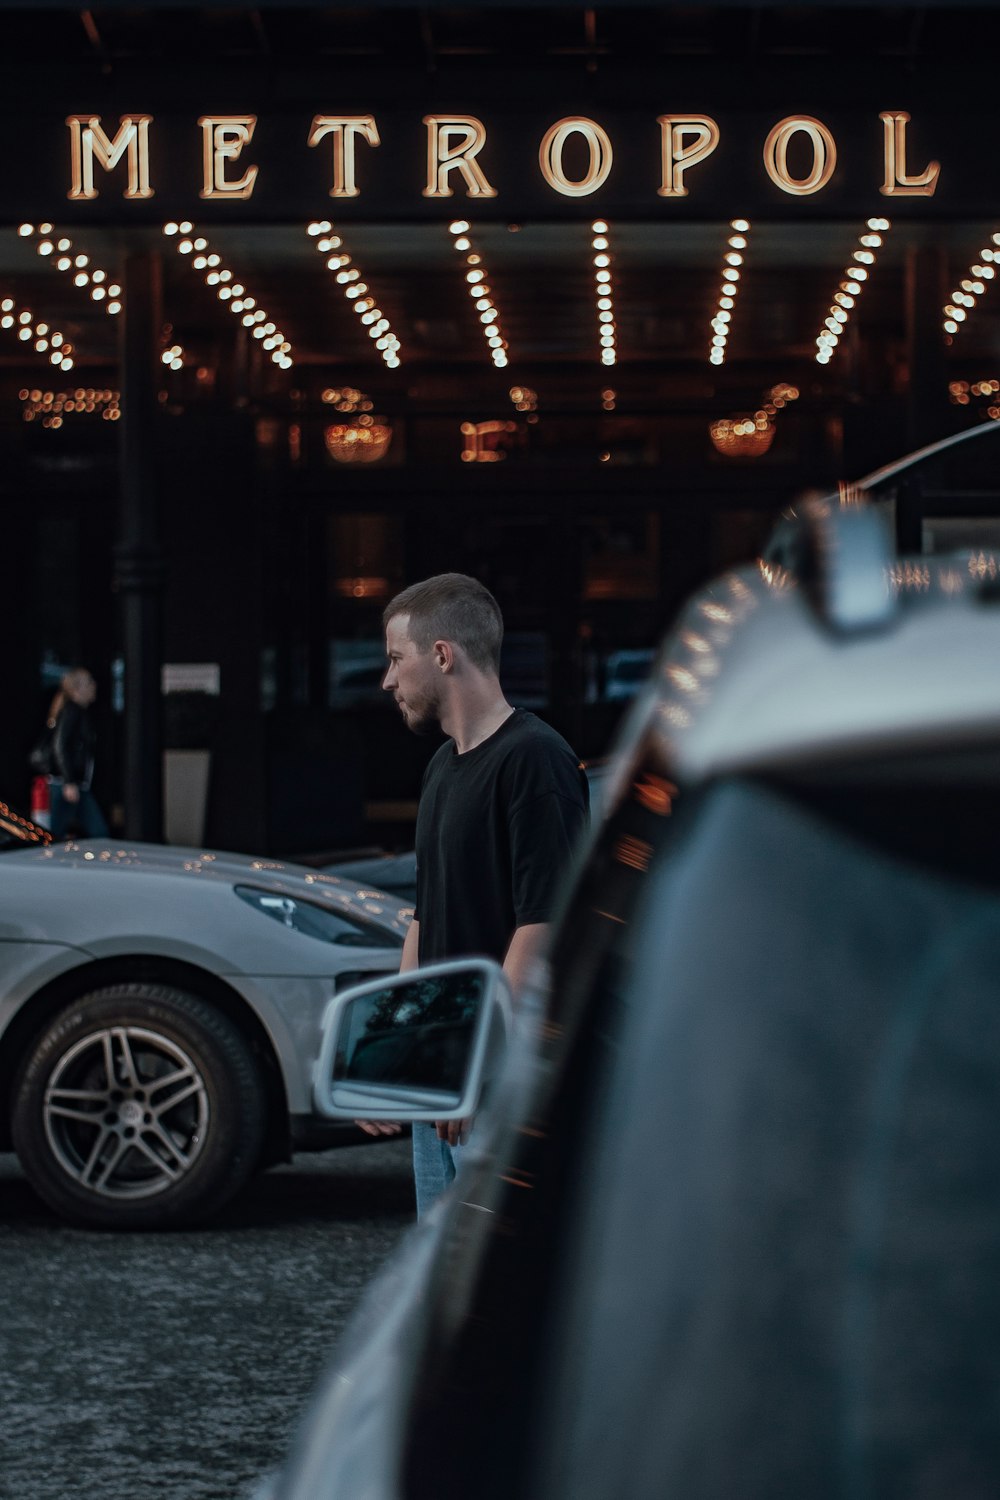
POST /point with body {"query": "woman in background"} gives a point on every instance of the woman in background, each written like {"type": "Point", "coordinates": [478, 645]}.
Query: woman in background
{"type": "Point", "coordinates": [72, 758]}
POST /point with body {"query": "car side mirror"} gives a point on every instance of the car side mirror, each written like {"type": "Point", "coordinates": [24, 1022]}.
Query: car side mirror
{"type": "Point", "coordinates": [414, 1047]}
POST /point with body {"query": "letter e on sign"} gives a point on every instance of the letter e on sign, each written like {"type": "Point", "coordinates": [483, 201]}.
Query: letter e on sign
{"type": "Point", "coordinates": [223, 139]}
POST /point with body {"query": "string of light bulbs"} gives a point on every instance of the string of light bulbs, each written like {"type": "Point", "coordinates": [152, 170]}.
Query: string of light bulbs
{"type": "Point", "coordinates": [961, 392]}
{"type": "Point", "coordinates": [604, 291]}
{"type": "Point", "coordinates": [356, 290]}
{"type": "Point", "coordinates": [51, 407]}
{"type": "Point", "coordinates": [477, 278]}
{"type": "Point", "coordinates": [44, 340]}
{"type": "Point", "coordinates": [963, 298]}
{"type": "Point", "coordinates": [230, 291]}
{"type": "Point", "coordinates": [852, 284]}
{"type": "Point", "coordinates": [732, 262]}
{"type": "Point", "coordinates": [56, 247]}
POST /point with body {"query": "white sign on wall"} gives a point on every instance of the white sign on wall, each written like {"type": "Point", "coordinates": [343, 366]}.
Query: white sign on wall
{"type": "Point", "coordinates": [191, 677]}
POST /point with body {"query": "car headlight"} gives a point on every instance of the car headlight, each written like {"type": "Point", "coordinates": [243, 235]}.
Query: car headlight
{"type": "Point", "coordinates": [317, 921]}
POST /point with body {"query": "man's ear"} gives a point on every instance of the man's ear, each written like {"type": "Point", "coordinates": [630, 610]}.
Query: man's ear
{"type": "Point", "coordinates": [444, 656]}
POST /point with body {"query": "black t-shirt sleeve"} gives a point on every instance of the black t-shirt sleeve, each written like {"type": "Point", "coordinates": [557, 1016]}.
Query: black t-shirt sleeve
{"type": "Point", "coordinates": [548, 815]}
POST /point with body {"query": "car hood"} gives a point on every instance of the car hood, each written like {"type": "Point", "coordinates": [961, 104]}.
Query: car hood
{"type": "Point", "coordinates": [214, 866]}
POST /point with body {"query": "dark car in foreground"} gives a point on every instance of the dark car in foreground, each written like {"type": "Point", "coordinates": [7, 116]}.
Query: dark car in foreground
{"type": "Point", "coordinates": [729, 1224]}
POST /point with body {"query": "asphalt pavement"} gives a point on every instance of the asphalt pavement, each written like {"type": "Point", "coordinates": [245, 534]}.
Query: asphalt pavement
{"type": "Point", "coordinates": [174, 1366]}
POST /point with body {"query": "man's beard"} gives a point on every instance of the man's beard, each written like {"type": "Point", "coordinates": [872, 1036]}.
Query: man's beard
{"type": "Point", "coordinates": [421, 718]}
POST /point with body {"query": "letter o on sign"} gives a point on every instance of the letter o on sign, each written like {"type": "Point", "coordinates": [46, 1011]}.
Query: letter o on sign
{"type": "Point", "coordinates": [550, 156]}
{"type": "Point", "coordinates": [824, 149]}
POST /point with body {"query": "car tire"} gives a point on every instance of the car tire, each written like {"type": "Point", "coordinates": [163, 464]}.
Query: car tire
{"type": "Point", "coordinates": [140, 1107]}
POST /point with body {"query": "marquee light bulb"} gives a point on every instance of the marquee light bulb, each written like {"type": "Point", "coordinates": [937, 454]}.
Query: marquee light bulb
{"type": "Point", "coordinates": [477, 283]}
{"type": "Point", "coordinates": [731, 260]}
{"type": "Point", "coordinates": [969, 289]}
{"type": "Point", "coordinates": [850, 288]}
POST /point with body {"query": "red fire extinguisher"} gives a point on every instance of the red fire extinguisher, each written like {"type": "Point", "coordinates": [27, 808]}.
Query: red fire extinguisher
{"type": "Point", "coordinates": [41, 809]}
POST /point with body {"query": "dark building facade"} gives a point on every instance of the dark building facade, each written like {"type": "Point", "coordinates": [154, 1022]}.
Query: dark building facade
{"type": "Point", "coordinates": [576, 299]}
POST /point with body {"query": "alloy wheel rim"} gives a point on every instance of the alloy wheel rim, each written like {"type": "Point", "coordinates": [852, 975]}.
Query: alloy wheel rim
{"type": "Point", "coordinates": [126, 1112]}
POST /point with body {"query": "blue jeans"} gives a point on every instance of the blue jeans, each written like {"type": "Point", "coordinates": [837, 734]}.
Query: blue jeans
{"type": "Point", "coordinates": [85, 814]}
{"type": "Point", "coordinates": [434, 1164]}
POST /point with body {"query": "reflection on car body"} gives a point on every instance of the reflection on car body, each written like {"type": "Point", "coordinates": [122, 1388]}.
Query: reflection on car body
{"type": "Point", "coordinates": [730, 1224]}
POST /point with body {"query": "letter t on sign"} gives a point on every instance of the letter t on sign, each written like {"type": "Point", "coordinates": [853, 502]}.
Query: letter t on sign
{"type": "Point", "coordinates": [344, 129]}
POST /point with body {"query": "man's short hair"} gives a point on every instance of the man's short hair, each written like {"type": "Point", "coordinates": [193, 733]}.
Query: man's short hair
{"type": "Point", "coordinates": [452, 607]}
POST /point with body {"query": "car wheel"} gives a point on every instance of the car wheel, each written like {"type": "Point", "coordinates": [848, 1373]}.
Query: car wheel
{"type": "Point", "coordinates": [141, 1106]}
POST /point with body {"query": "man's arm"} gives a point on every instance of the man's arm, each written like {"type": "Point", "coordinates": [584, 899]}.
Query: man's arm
{"type": "Point", "coordinates": [411, 947]}
{"type": "Point", "coordinates": [523, 949]}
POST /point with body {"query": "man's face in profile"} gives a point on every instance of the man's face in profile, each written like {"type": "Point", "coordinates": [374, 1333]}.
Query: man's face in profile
{"type": "Point", "coordinates": [412, 678]}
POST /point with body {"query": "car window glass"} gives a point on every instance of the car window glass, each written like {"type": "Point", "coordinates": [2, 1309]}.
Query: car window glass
{"type": "Point", "coordinates": [315, 921]}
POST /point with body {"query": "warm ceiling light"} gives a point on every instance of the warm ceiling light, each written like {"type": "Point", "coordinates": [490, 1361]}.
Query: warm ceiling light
{"type": "Point", "coordinates": [363, 439]}
{"type": "Point", "coordinates": [741, 437]}
{"type": "Point", "coordinates": [961, 392]}
{"type": "Point", "coordinates": [751, 434]}
{"type": "Point", "coordinates": [50, 407]}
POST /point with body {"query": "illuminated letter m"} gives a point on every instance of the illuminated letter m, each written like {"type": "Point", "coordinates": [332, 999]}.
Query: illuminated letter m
{"type": "Point", "coordinates": [89, 143]}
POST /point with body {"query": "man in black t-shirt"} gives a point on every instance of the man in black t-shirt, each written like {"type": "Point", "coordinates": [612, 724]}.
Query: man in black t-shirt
{"type": "Point", "coordinates": [502, 805]}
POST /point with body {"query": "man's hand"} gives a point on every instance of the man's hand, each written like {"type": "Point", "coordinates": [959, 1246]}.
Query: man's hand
{"type": "Point", "coordinates": [71, 791]}
{"type": "Point", "coordinates": [455, 1132]}
{"type": "Point", "coordinates": [379, 1127]}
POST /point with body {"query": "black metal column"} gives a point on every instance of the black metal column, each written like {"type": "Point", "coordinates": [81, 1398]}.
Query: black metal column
{"type": "Point", "coordinates": [926, 292]}
{"type": "Point", "coordinates": [138, 559]}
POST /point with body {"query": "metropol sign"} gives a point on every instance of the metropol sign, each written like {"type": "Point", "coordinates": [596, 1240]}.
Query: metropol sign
{"type": "Point", "coordinates": [575, 156]}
